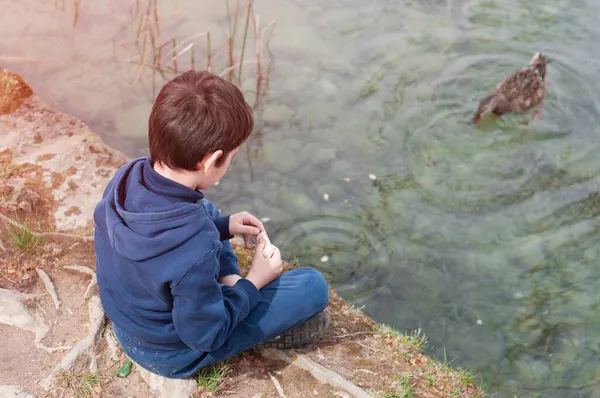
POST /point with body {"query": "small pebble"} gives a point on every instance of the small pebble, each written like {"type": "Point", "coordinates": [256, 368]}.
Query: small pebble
{"type": "Point", "coordinates": [326, 196]}
{"type": "Point", "coordinates": [265, 219]}
{"type": "Point", "coordinates": [324, 259]}
{"type": "Point", "coordinates": [347, 179]}
{"type": "Point", "coordinates": [479, 322]}
{"type": "Point", "coordinates": [372, 176]}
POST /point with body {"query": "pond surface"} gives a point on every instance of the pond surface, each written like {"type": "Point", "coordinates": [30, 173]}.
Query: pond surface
{"type": "Point", "coordinates": [486, 238]}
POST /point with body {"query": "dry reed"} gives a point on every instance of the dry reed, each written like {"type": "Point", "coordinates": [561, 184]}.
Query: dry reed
{"type": "Point", "coordinates": [156, 57]}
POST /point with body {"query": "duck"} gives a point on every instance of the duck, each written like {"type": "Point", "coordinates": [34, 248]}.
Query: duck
{"type": "Point", "coordinates": [518, 92]}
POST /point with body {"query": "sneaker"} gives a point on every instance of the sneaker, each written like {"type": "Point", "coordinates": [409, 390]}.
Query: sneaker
{"type": "Point", "coordinates": [302, 335]}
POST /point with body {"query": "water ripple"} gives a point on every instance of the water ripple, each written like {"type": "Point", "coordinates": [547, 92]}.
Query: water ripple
{"type": "Point", "coordinates": [355, 257]}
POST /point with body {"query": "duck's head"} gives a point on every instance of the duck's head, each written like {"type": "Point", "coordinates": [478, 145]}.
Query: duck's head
{"type": "Point", "coordinates": [539, 62]}
{"type": "Point", "coordinates": [487, 106]}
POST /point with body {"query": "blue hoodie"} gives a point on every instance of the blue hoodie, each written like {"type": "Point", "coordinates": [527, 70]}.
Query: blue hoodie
{"type": "Point", "coordinates": [157, 264]}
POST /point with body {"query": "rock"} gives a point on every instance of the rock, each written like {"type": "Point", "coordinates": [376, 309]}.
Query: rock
{"type": "Point", "coordinates": [16, 195]}
{"type": "Point", "coordinates": [328, 88]}
{"type": "Point", "coordinates": [425, 92]}
{"type": "Point", "coordinates": [168, 388]}
{"type": "Point", "coordinates": [296, 202]}
{"type": "Point", "coordinates": [341, 166]}
{"type": "Point", "coordinates": [323, 154]}
{"type": "Point", "coordinates": [13, 92]}
{"type": "Point", "coordinates": [14, 392]}
{"type": "Point", "coordinates": [71, 165]}
{"type": "Point", "coordinates": [285, 159]}
{"type": "Point", "coordinates": [278, 114]}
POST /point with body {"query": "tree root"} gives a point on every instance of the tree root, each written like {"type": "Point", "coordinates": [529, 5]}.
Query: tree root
{"type": "Point", "coordinates": [111, 342]}
{"type": "Point", "coordinates": [318, 371]}
{"type": "Point", "coordinates": [49, 286]}
{"type": "Point", "coordinates": [277, 386]}
{"type": "Point", "coordinates": [46, 234]}
{"type": "Point", "coordinates": [86, 345]}
{"type": "Point", "coordinates": [88, 271]}
{"type": "Point", "coordinates": [14, 313]}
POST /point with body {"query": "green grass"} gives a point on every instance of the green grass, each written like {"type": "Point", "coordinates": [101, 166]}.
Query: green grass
{"type": "Point", "coordinates": [79, 384]}
{"type": "Point", "coordinates": [461, 376]}
{"type": "Point", "coordinates": [466, 376]}
{"type": "Point", "coordinates": [415, 338]}
{"type": "Point", "coordinates": [24, 238]}
{"type": "Point", "coordinates": [210, 378]}
{"type": "Point", "coordinates": [430, 379]}
{"type": "Point", "coordinates": [407, 390]}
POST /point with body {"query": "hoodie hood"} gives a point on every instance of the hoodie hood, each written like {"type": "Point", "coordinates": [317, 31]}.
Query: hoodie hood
{"type": "Point", "coordinates": [147, 214]}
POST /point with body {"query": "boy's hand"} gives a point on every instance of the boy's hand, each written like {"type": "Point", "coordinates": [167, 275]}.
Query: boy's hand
{"type": "Point", "coordinates": [264, 269]}
{"type": "Point", "coordinates": [245, 224]}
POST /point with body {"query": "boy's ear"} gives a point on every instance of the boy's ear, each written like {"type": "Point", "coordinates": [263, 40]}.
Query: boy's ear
{"type": "Point", "coordinates": [209, 161]}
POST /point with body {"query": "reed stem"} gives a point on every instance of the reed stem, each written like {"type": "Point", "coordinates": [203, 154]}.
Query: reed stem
{"type": "Point", "coordinates": [244, 41]}
{"type": "Point", "coordinates": [209, 55]}
{"type": "Point", "coordinates": [175, 58]}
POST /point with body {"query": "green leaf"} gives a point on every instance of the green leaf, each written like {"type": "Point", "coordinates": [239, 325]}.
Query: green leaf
{"type": "Point", "coordinates": [125, 368]}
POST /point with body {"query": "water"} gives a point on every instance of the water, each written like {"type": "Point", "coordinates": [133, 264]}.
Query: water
{"type": "Point", "coordinates": [484, 237]}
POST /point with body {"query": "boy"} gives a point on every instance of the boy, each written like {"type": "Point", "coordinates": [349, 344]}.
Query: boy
{"type": "Point", "coordinates": [167, 274]}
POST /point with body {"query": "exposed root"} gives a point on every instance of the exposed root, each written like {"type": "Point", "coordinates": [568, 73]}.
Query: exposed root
{"type": "Point", "coordinates": [277, 386]}
{"type": "Point", "coordinates": [88, 271]}
{"type": "Point", "coordinates": [93, 362]}
{"type": "Point", "coordinates": [318, 371]}
{"type": "Point", "coordinates": [86, 345]}
{"type": "Point", "coordinates": [14, 313]}
{"type": "Point", "coordinates": [46, 234]}
{"type": "Point", "coordinates": [111, 342]}
{"type": "Point", "coordinates": [343, 336]}
{"type": "Point", "coordinates": [49, 286]}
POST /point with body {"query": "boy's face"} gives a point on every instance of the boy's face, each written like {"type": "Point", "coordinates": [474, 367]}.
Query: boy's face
{"type": "Point", "coordinates": [211, 173]}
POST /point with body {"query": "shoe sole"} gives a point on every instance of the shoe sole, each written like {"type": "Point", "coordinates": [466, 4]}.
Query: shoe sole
{"type": "Point", "coordinates": [302, 335]}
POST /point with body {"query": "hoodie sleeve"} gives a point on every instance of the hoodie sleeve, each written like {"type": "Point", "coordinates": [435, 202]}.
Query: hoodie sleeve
{"type": "Point", "coordinates": [222, 224]}
{"type": "Point", "coordinates": [205, 312]}
{"type": "Point", "coordinates": [228, 261]}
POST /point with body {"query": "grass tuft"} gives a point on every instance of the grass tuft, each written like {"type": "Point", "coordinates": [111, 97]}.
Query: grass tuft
{"type": "Point", "coordinates": [24, 238]}
{"type": "Point", "coordinates": [210, 378]}
{"type": "Point", "coordinates": [407, 389]}
{"type": "Point", "coordinates": [415, 338]}
{"type": "Point", "coordinates": [79, 385]}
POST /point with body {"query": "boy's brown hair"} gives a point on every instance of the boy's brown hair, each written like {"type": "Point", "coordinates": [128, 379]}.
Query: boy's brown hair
{"type": "Point", "coordinates": [195, 114]}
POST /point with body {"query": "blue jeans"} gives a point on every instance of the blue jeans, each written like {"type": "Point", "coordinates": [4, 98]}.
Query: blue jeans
{"type": "Point", "coordinates": [288, 301]}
